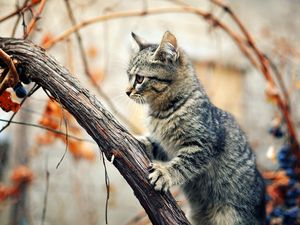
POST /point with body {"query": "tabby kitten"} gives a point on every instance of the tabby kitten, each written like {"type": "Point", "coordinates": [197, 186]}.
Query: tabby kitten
{"type": "Point", "coordinates": [195, 144]}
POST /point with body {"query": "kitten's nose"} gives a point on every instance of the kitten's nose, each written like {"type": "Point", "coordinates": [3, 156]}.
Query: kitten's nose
{"type": "Point", "coordinates": [128, 92]}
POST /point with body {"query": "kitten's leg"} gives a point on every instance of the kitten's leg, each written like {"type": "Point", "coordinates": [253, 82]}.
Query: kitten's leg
{"type": "Point", "coordinates": [189, 162]}
{"type": "Point", "coordinates": [153, 149]}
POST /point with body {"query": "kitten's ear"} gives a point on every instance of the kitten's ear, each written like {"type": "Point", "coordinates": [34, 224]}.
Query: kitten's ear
{"type": "Point", "coordinates": [140, 41]}
{"type": "Point", "coordinates": [167, 50]}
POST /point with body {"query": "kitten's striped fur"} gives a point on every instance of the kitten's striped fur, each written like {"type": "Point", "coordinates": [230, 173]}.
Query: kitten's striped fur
{"type": "Point", "coordinates": [194, 143]}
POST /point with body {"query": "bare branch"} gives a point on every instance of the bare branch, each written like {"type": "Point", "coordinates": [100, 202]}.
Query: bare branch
{"type": "Point", "coordinates": [46, 128]}
{"type": "Point", "coordinates": [18, 19]}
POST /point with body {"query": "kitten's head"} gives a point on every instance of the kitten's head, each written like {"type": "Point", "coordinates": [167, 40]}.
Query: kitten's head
{"type": "Point", "coordinates": [153, 69]}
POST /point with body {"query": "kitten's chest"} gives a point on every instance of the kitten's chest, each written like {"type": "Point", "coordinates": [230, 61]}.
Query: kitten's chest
{"type": "Point", "coordinates": [169, 133]}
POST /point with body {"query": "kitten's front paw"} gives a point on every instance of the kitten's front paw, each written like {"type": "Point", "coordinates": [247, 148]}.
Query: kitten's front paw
{"type": "Point", "coordinates": [159, 177]}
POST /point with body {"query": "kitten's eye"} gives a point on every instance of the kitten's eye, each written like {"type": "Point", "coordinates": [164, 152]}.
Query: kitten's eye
{"type": "Point", "coordinates": [139, 79]}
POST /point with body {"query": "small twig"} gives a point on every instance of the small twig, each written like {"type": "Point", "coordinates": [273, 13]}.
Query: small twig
{"type": "Point", "coordinates": [17, 11]}
{"type": "Point", "coordinates": [24, 25]}
{"type": "Point", "coordinates": [32, 23]}
{"type": "Point", "coordinates": [13, 33]}
{"type": "Point", "coordinates": [66, 126]}
{"type": "Point", "coordinates": [46, 192]}
{"type": "Point", "coordinates": [28, 110]}
{"type": "Point", "coordinates": [19, 17]}
{"type": "Point", "coordinates": [46, 128]}
{"type": "Point", "coordinates": [280, 80]}
{"type": "Point", "coordinates": [107, 183]}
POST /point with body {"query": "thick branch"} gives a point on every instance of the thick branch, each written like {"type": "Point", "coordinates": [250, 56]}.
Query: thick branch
{"type": "Point", "coordinates": [111, 137]}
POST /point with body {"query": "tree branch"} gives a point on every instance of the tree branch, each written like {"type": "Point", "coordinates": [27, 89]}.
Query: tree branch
{"type": "Point", "coordinates": [111, 137]}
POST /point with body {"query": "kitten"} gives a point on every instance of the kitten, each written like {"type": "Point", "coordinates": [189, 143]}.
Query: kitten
{"type": "Point", "coordinates": [195, 144]}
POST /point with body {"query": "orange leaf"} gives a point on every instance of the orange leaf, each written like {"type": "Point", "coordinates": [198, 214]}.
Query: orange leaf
{"type": "Point", "coordinates": [49, 122]}
{"type": "Point", "coordinates": [269, 207]}
{"type": "Point", "coordinates": [52, 118]}
{"type": "Point", "coordinates": [4, 192]}
{"type": "Point", "coordinates": [21, 174]}
{"type": "Point", "coordinates": [277, 194]}
{"type": "Point", "coordinates": [80, 151]}
{"type": "Point", "coordinates": [88, 154]}
{"type": "Point", "coordinates": [46, 138]}
{"type": "Point", "coordinates": [46, 37]}
{"type": "Point", "coordinates": [6, 103]}
{"type": "Point", "coordinates": [278, 177]}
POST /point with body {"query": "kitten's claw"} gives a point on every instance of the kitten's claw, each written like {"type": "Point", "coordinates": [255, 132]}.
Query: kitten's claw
{"type": "Point", "coordinates": [160, 177]}
{"type": "Point", "coordinates": [150, 168]}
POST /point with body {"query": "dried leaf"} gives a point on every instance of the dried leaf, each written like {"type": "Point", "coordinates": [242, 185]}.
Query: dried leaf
{"type": "Point", "coordinates": [6, 103]}
{"type": "Point", "coordinates": [277, 189]}
{"type": "Point", "coordinates": [81, 151]}
{"type": "Point", "coordinates": [6, 192]}
{"type": "Point", "coordinates": [21, 174]}
{"type": "Point", "coordinates": [276, 176]}
{"type": "Point", "coordinates": [277, 193]}
{"type": "Point", "coordinates": [52, 118]}
{"type": "Point", "coordinates": [46, 138]}
{"type": "Point", "coordinates": [46, 38]}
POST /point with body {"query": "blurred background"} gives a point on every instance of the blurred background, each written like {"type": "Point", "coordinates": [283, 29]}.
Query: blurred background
{"type": "Point", "coordinates": [75, 192]}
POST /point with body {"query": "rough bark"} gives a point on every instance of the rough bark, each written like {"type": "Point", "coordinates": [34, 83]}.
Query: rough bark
{"type": "Point", "coordinates": [111, 137]}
